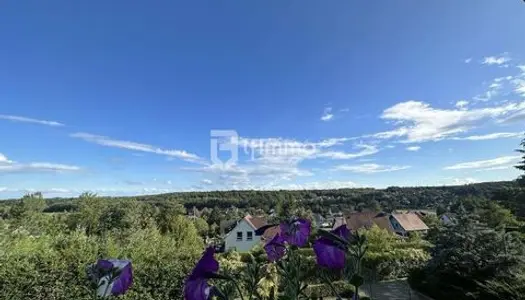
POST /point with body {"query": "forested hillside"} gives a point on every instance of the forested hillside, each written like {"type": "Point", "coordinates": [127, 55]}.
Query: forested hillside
{"type": "Point", "coordinates": [320, 201]}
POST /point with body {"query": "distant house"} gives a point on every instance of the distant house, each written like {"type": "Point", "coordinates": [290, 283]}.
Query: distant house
{"type": "Point", "coordinates": [407, 223]}
{"type": "Point", "coordinates": [401, 224]}
{"type": "Point", "coordinates": [242, 236]}
{"type": "Point", "coordinates": [358, 220]}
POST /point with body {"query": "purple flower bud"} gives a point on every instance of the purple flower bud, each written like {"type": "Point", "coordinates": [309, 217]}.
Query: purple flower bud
{"type": "Point", "coordinates": [328, 253]}
{"type": "Point", "coordinates": [275, 248]}
{"type": "Point", "coordinates": [296, 232]}
{"type": "Point", "coordinates": [116, 277]}
{"type": "Point", "coordinates": [196, 286]}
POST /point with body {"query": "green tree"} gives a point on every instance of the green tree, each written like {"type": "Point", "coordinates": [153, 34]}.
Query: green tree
{"type": "Point", "coordinates": [91, 208]}
{"type": "Point", "coordinates": [521, 165]}
{"type": "Point", "coordinates": [469, 260]}
{"type": "Point", "coordinates": [201, 225]}
{"type": "Point", "coordinates": [496, 216]}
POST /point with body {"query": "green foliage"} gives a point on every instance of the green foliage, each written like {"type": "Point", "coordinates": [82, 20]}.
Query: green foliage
{"type": "Point", "coordinates": [44, 256]}
{"type": "Point", "coordinates": [202, 226]}
{"type": "Point", "coordinates": [390, 257]}
{"type": "Point", "coordinates": [471, 261]}
{"type": "Point", "coordinates": [521, 165]}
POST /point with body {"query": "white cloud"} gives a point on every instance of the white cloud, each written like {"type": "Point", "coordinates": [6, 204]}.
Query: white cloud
{"type": "Point", "coordinates": [462, 104]}
{"type": "Point", "coordinates": [468, 60]}
{"type": "Point", "coordinates": [464, 181]}
{"type": "Point", "coordinates": [496, 60]}
{"type": "Point", "coordinates": [30, 120]}
{"type": "Point", "coordinates": [316, 185]}
{"type": "Point", "coordinates": [37, 167]}
{"type": "Point", "coordinates": [207, 181]}
{"type": "Point", "coordinates": [484, 164]}
{"type": "Point", "coordinates": [109, 142]}
{"type": "Point", "coordinates": [366, 151]}
{"type": "Point", "coordinates": [413, 148]}
{"type": "Point", "coordinates": [327, 114]}
{"type": "Point", "coordinates": [133, 182]}
{"type": "Point", "coordinates": [419, 122]}
{"type": "Point", "coordinates": [491, 136]}
{"type": "Point", "coordinates": [4, 160]}
{"type": "Point", "coordinates": [369, 168]}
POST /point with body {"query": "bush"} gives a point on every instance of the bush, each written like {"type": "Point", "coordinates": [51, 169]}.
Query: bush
{"type": "Point", "coordinates": [344, 289]}
{"type": "Point", "coordinates": [53, 266]}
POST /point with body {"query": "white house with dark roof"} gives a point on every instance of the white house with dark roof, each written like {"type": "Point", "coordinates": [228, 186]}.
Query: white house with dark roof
{"type": "Point", "coordinates": [242, 237]}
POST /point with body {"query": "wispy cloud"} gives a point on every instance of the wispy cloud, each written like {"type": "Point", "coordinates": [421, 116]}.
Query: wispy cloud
{"type": "Point", "coordinates": [462, 104]}
{"type": "Point", "coordinates": [30, 120]}
{"type": "Point", "coordinates": [109, 142]}
{"type": "Point", "coordinates": [36, 167]}
{"type": "Point", "coordinates": [207, 181]}
{"type": "Point", "coordinates": [327, 114]}
{"type": "Point", "coordinates": [496, 60]}
{"type": "Point", "coordinates": [133, 182]}
{"type": "Point", "coordinates": [369, 168]}
{"type": "Point", "coordinates": [419, 122]}
{"type": "Point", "coordinates": [366, 151]}
{"type": "Point", "coordinates": [485, 164]}
{"type": "Point", "coordinates": [413, 148]}
{"type": "Point", "coordinates": [491, 136]}
{"type": "Point", "coordinates": [468, 60]}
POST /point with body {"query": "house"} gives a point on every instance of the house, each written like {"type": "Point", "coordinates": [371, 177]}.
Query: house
{"type": "Point", "coordinates": [358, 220]}
{"type": "Point", "coordinates": [242, 236]}
{"type": "Point", "coordinates": [407, 223]}
{"type": "Point", "coordinates": [401, 224]}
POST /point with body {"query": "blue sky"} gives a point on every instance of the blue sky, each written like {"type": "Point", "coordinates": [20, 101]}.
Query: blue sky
{"type": "Point", "coordinates": [119, 97]}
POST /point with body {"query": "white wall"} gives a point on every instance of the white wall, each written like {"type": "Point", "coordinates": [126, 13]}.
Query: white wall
{"type": "Point", "coordinates": [231, 243]}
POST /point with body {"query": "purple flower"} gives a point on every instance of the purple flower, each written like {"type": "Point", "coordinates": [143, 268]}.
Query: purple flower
{"type": "Point", "coordinates": [275, 248]}
{"type": "Point", "coordinates": [296, 232]}
{"type": "Point", "coordinates": [328, 253]}
{"type": "Point", "coordinates": [196, 286]}
{"type": "Point", "coordinates": [116, 277]}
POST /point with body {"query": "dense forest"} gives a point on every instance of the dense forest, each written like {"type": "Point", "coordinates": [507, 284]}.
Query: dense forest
{"type": "Point", "coordinates": [320, 201]}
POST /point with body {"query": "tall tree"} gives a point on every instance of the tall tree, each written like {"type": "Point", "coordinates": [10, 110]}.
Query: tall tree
{"type": "Point", "coordinates": [521, 165]}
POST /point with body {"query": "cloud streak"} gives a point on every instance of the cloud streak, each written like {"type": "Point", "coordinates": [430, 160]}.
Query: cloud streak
{"type": "Point", "coordinates": [30, 120]}
{"type": "Point", "coordinates": [499, 162]}
{"type": "Point", "coordinates": [369, 168]}
{"type": "Point", "coordinates": [109, 142]}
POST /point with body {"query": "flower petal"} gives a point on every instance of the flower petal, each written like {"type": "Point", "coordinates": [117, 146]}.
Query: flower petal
{"type": "Point", "coordinates": [197, 289]}
{"type": "Point", "coordinates": [328, 255]}
{"type": "Point", "coordinates": [275, 249]}
{"type": "Point", "coordinates": [296, 232]}
{"type": "Point", "coordinates": [207, 264]}
{"type": "Point", "coordinates": [124, 280]}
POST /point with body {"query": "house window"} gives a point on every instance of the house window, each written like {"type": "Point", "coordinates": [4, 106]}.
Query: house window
{"type": "Point", "coordinates": [239, 235]}
{"type": "Point", "coordinates": [249, 235]}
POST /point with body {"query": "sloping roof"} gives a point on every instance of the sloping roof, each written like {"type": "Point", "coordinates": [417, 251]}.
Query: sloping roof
{"type": "Point", "coordinates": [271, 232]}
{"type": "Point", "coordinates": [367, 219]}
{"type": "Point", "coordinates": [410, 222]}
{"type": "Point", "coordinates": [255, 222]}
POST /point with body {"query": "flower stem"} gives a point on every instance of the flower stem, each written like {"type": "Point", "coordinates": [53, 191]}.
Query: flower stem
{"type": "Point", "coordinates": [238, 289]}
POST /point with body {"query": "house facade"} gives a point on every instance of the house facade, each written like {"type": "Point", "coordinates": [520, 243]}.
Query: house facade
{"type": "Point", "coordinates": [242, 237]}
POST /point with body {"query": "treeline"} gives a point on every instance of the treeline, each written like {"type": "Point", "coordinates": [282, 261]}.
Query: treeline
{"type": "Point", "coordinates": [322, 201]}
